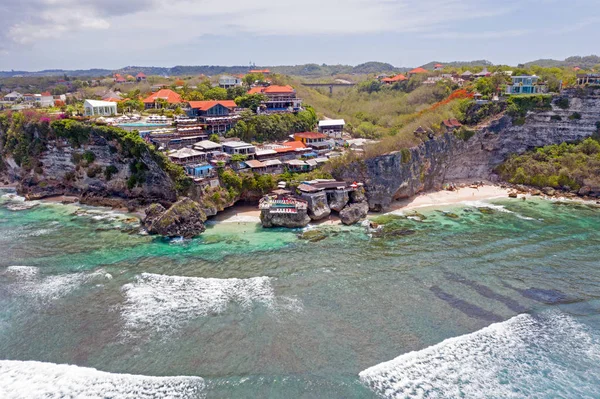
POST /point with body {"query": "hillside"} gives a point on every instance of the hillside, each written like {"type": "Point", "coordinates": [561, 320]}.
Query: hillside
{"type": "Point", "coordinates": [586, 62]}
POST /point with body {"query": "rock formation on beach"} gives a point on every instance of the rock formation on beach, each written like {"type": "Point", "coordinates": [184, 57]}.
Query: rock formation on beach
{"type": "Point", "coordinates": [185, 218]}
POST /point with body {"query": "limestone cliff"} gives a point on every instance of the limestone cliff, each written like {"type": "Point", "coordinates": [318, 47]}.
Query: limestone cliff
{"type": "Point", "coordinates": [449, 159]}
{"type": "Point", "coordinates": [100, 165]}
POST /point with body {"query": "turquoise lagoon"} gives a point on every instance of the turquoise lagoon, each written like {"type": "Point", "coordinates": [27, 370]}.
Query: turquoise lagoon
{"type": "Point", "coordinates": [482, 300]}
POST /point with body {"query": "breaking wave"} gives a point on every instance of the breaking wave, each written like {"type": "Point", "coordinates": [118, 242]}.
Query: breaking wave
{"type": "Point", "coordinates": [28, 281]}
{"type": "Point", "coordinates": [550, 355]}
{"type": "Point", "coordinates": [162, 302]}
{"type": "Point", "coordinates": [30, 379]}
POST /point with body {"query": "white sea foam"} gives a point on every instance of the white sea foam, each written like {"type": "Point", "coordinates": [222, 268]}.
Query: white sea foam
{"type": "Point", "coordinates": [29, 282]}
{"type": "Point", "coordinates": [525, 356]}
{"type": "Point", "coordinates": [483, 204]}
{"type": "Point", "coordinates": [164, 302]}
{"type": "Point", "coordinates": [30, 379]}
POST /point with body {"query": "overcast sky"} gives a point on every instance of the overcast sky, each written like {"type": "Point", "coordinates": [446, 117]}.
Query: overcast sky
{"type": "Point", "coordinates": [81, 34]}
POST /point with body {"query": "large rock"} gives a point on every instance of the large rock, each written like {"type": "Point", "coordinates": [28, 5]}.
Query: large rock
{"type": "Point", "coordinates": [318, 207]}
{"type": "Point", "coordinates": [585, 190]}
{"type": "Point", "coordinates": [354, 212]}
{"type": "Point", "coordinates": [184, 218]}
{"type": "Point", "coordinates": [290, 220]}
{"type": "Point", "coordinates": [337, 199]}
{"type": "Point", "coordinates": [358, 195]}
{"type": "Point", "coordinates": [549, 191]}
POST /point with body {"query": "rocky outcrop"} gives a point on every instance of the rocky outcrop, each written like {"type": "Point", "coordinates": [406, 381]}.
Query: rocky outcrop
{"type": "Point", "coordinates": [184, 218]}
{"type": "Point", "coordinates": [448, 158]}
{"type": "Point", "coordinates": [353, 213]}
{"type": "Point", "coordinates": [63, 171]}
{"type": "Point", "coordinates": [318, 207]}
{"type": "Point", "coordinates": [289, 220]}
{"type": "Point", "coordinates": [337, 199]}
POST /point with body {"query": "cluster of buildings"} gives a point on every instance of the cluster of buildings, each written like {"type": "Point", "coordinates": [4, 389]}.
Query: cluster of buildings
{"type": "Point", "coordinates": [39, 100]}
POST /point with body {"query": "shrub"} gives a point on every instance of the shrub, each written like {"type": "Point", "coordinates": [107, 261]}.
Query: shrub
{"type": "Point", "coordinates": [464, 134]}
{"type": "Point", "coordinates": [110, 171]}
{"type": "Point", "coordinates": [562, 102]}
{"type": "Point", "coordinates": [89, 157]}
{"type": "Point", "coordinates": [93, 171]}
{"type": "Point", "coordinates": [556, 118]}
{"type": "Point", "coordinates": [575, 116]}
{"type": "Point", "coordinates": [405, 155]}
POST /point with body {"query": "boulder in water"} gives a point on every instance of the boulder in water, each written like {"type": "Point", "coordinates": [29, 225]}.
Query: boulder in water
{"type": "Point", "coordinates": [185, 218]}
{"type": "Point", "coordinates": [354, 212]}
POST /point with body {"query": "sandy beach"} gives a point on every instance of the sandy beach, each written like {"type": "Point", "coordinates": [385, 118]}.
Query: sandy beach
{"type": "Point", "coordinates": [251, 214]}
{"type": "Point", "coordinates": [443, 197]}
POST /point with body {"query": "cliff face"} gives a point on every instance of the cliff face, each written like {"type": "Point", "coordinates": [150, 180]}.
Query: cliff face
{"type": "Point", "coordinates": [449, 159]}
{"type": "Point", "coordinates": [97, 172]}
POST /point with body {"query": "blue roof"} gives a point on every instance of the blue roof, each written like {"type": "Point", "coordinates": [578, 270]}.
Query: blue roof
{"type": "Point", "coordinates": [310, 154]}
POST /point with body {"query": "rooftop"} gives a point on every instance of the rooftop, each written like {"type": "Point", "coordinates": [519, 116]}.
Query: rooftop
{"type": "Point", "coordinates": [98, 103]}
{"type": "Point", "coordinates": [310, 135]}
{"type": "Point", "coordinates": [208, 145]}
{"type": "Point", "coordinates": [236, 144]}
{"type": "Point", "coordinates": [331, 122]}
{"type": "Point", "coordinates": [165, 94]}
{"type": "Point", "coordinates": [206, 105]}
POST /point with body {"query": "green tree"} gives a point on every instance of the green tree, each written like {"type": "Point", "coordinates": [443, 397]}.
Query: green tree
{"type": "Point", "coordinates": [215, 138]}
{"type": "Point", "coordinates": [251, 101]}
{"type": "Point", "coordinates": [216, 93]}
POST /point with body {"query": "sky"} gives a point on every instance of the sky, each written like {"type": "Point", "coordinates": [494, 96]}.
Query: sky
{"type": "Point", "coordinates": [82, 34]}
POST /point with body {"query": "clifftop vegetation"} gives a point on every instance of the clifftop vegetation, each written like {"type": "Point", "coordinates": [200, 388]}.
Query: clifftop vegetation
{"type": "Point", "coordinates": [557, 166]}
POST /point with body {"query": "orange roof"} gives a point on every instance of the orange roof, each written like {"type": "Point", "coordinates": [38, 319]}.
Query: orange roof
{"type": "Point", "coordinates": [418, 70]}
{"type": "Point", "coordinates": [140, 75]}
{"type": "Point", "coordinates": [256, 90]}
{"type": "Point", "coordinates": [397, 78]}
{"type": "Point", "coordinates": [166, 94]}
{"type": "Point", "coordinates": [278, 89]}
{"type": "Point", "coordinates": [310, 135]}
{"type": "Point", "coordinates": [438, 65]}
{"type": "Point", "coordinates": [206, 105]}
{"type": "Point", "coordinates": [113, 100]}
{"type": "Point", "coordinates": [260, 71]}
{"type": "Point", "coordinates": [291, 146]}
{"type": "Point", "coordinates": [46, 93]}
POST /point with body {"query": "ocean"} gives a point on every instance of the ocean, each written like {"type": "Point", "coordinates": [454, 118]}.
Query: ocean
{"type": "Point", "coordinates": [485, 299]}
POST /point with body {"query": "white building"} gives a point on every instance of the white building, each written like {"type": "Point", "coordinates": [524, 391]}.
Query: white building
{"type": "Point", "coordinates": [239, 148]}
{"type": "Point", "coordinates": [332, 127]}
{"type": "Point", "coordinates": [13, 96]}
{"type": "Point", "coordinates": [95, 107]}
{"type": "Point", "coordinates": [227, 81]}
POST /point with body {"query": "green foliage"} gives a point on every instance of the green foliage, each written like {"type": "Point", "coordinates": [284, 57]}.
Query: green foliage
{"type": "Point", "coordinates": [463, 133]}
{"type": "Point", "coordinates": [471, 113]}
{"type": "Point", "coordinates": [93, 171]}
{"type": "Point", "coordinates": [556, 118]}
{"type": "Point", "coordinates": [110, 171]}
{"type": "Point", "coordinates": [238, 158]}
{"type": "Point", "coordinates": [216, 93]}
{"type": "Point", "coordinates": [575, 116]}
{"type": "Point", "coordinates": [251, 101]}
{"type": "Point", "coordinates": [370, 86]}
{"type": "Point", "coordinates": [562, 102]}
{"type": "Point", "coordinates": [558, 166]}
{"type": "Point", "coordinates": [89, 156]}
{"type": "Point", "coordinates": [215, 138]}
{"type": "Point", "coordinates": [405, 155]}
{"type": "Point", "coordinates": [273, 127]}
{"type": "Point", "coordinates": [518, 106]}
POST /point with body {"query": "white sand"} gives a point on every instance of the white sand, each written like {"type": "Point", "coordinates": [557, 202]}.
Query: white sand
{"type": "Point", "coordinates": [442, 198]}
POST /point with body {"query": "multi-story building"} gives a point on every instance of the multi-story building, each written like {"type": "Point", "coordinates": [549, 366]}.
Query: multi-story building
{"type": "Point", "coordinates": [525, 85]}
{"type": "Point", "coordinates": [228, 81]}
{"type": "Point", "coordinates": [164, 96]}
{"type": "Point", "coordinates": [279, 99]}
{"type": "Point", "coordinates": [217, 116]}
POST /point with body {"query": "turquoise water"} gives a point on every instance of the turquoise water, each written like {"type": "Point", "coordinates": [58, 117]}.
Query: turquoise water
{"type": "Point", "coordinates": [485, 300]}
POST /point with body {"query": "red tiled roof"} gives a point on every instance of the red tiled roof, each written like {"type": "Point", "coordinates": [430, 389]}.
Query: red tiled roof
{"type": "Point", "coordinates": [310, 135]}
{"type": "Point", "coordinates": [166, 94]}
{"type": "Point", "coordinates": [206, 105]}
{"type": "Point", "coordinates": [273, 89]}
{"type": "Point", "coordinates": [120, 80]}
{"type": "Point", "coordinates": [46, 93]}
{"type": "Point", "coordinates": [113, 100]}
{"type": "Point", "coordinates": [278, 89]}
{"type": "Point", "coordinates": [140, 75]}
{"type": "Point", "coordinates": [452, 123]}
{"type": "Point", "coordinates": [260, 71]}
{"type": "Point", "coordinates": [291, 146]}
{"type": "Point", "coordinates": [438, 65]}
{"type": "Point", "coordinates": [418, 70]}
{"type": "Point", "coordinates": [397, 78]}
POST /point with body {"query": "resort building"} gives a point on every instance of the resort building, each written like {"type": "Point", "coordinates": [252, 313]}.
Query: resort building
{"type": "Point", "coordinates": [140, 77]}
{"type": "Point", "coordinates": [279, 99]}
{"type": "Point", "coordinates": [588, 79]}
{"type": "Point", "coordinates": [525, 85]}
{"type": "Point", "coordinates": [394, 79]}
{"type": "Point", "coordinates": [239, 148]}
{"type": "Point", "coordinates": [209, 147]}
{"type": "Point", "coordinates": [163, 96]}
{"type": "Point", "coordinates": [217, 116]}
{"type": "Point", "coordinates": [467, 75]}
{"type": "Point", "coordinates": [451, 124]}
{"type": "Point", "coordinates": [185, 156]}
{"type": "Point", "coordinates": [483, 74]}
{"type": "Point", "coordinates": [313, 140]}
{"type": "Point", "coordinates": [13, 96]}
{"type": "Point", "coordinates": [228, 81]}
{"type": "Point", "coordinates": [417, 71]}
{"type": "Point", "coordinates": [261, 71]}
{"type": "Point", "coordinates": [438, 67]}
{"type": "Point", "coordinates": [99, 108]}
{"type": "Point", "coordinates": [332, 127]}
{"type": "Point", "coordinates": [200, 171]}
